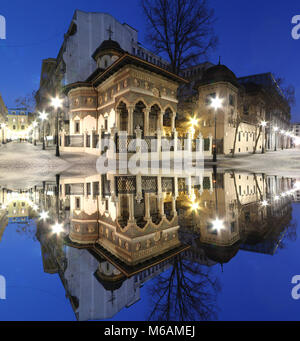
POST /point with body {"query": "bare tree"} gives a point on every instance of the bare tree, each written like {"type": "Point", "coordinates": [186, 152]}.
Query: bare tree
{"type": "Point", "coordinates": [187, 292]}
{"type": "Point", "coordinates": [180, 29]}
{"type": "Point", "coordinates": [27, 101]}
{"type": "Point", "coordinates": [288, 91]}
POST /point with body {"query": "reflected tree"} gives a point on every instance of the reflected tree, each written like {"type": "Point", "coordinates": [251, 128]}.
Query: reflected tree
{"type": "Point", "coordinates": [186, 292]}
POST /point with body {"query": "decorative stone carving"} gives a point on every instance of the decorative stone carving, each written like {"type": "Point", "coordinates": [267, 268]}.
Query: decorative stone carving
{"type": "Point", "coordinates": [155, 92]}
{"type": "Point", "coordinates": [100, 100]}
{"type": "Point", "coordinates": [148, 243]}
{"type": "Point", "coordinates": [91, 229]}
{"type": "Point", "coordinates": [146, 85]}
{"type": "Point", "coordinates": [138, 246]}
{"type": "Point", "coordinates": [157, 236]}
{"type": "Point", "coordinates": [125, 83]}
{"type": "Point", "coordinates": [120, 242]}
{"type": "Point", "coordinates": [77, 228]}
{"type": "Point", "coordinates": [119, 87]}
{"type": "Point", "coordinates": [136, 83]}
{"type": "Point", "coordinates": [106, 97]}
{"type": "Point", "coordinates": [127, 246]}
{"type": "Point", "coordinates": [164, 92]}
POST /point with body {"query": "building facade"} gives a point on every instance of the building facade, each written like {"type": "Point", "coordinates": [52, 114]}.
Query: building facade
{"type": "Point", "coordinates": [118, 86]}
{"type": "Point", "coordinates": [18, 124]}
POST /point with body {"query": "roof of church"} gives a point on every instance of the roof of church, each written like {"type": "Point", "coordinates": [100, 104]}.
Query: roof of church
{"type": "Point", "coordinates": [99, 76]}
{"type": "Point", "coordinates": [219, 73]}
{"type": "Point", "coordinates": [108, 45]}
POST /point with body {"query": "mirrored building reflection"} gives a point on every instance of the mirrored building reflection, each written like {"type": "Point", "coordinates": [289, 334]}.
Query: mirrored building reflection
{"type": "Point", "coordinates": [120, 232]}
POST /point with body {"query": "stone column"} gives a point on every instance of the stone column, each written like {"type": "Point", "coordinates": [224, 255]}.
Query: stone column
{"type": "Point", "coordinates": [130, 120]}
{"type": "Point", "coordinates": [147, 207]}
{"type": "Point", "coordinates": [146, 121]}
{"type": "Point", "coordinates": [173, 121]}
{"type": "Point", "coordinates": [131, 219]}
{"type": "Point", "coordinates": [160, 124]}
{"type": "Point", "coordinates": [139, 192]}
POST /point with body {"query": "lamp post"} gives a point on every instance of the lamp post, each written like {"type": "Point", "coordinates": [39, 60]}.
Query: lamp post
{"type": "Point", "coordinates": [276, 130]}
{"type": "Point", "coordinates": [56, 103]}
{"type": "Point", "coordinates": [282, 138]}
{"type": "Point", "coordinates": [34, 125]}
{"type": "Point", "coordinates": [263, 125]}
{"type": "Point", "coordinates": [216, 103]}
{"type": "Point", "coordinates": [43, 118]}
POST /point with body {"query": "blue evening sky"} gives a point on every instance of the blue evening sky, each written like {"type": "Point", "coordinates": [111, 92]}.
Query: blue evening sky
{"type": "Point", "coordinates": [255, 37]}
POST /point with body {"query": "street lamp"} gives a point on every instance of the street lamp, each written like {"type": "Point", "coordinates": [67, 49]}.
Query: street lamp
{"type": "Point", "coordinates": [34, 125]}
{"type": "Point", "coordinates": [263, 125]}
{"type": "Point", "coordinates": [44, 216]}
{"type": "Point", "coordinates": [276, 130]}
{"type": "Point", "coordinates": [56, 103]}
{"type": "Point", "coordinates": [216, 103]}
{"type": "Point", "coordinates": [57, 228]}
{"type": "Point", "coordinates": [217, 225]}
{"type": "Point", "coordinates": [43, 118]}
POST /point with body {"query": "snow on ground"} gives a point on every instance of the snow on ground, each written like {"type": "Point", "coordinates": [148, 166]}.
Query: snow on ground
{"type": "Point", "coordinates": [282, 162]}
{"type": "Point", "coordinates": [23, 164]}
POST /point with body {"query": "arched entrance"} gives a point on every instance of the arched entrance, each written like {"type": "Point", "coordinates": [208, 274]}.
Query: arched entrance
{"type": "Point", "coordinates": [123, 116]}
{"type": "Point", "coordinates": [138, 116]}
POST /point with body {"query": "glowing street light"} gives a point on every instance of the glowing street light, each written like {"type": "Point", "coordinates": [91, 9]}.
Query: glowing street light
{"type": "Point", "coordinates": [57, 228]}
{"type": "Point", "coordinates": [195, 206]}
{"type": "Point", "coordinates": [218, 225]}
{"type": "Point", "coordinates": [263, 124]}
{"type": "Point", "coordinates": [216, 103]}
{"type": "Point", "coordinates": [44, 216]}
{"type": "Point", "coordinates": [264, 203]}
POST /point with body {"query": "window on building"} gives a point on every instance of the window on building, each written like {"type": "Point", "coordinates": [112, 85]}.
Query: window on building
{"type": "Point", "coordinates": [106, 124]}
{"type": "Point", "coordinates": [77, 127]}
{"type": "Point", "coordinates": [239, 136]}
{"type": "Point", "coordinates": [88, 188]}
{"type": "Point", "coordinates": [246, 109]}
{"type": "Point", "coordinates": [22, 127]}
{"type": "Point", "coordinates": [77, 203]}
{"type": "Point", "coordinates": [231, 100]}
{"type": "Point", "coordinates": [14, 127]}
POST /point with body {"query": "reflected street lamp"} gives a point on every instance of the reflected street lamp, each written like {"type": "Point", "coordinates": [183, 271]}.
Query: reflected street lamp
{"type": "Point", "coordinates": [216, 103]}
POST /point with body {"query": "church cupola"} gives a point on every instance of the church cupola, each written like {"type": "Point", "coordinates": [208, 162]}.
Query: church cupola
{"type": "Point", "coordinates": [108, 52]}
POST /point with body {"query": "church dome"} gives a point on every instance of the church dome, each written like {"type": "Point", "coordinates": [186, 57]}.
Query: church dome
{"type": "Point", "coordinates": [219, 73]}
{"type": "Point", "coordinates": [108, 46]}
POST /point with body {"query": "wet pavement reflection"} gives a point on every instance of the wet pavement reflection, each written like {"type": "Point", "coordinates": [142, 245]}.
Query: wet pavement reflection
{"type": "Point", "coordinates": [106, 236]}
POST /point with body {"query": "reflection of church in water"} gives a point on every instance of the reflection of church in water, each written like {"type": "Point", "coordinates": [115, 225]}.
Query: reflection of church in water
{"type": "Point", "coordinates": [124, 230]}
